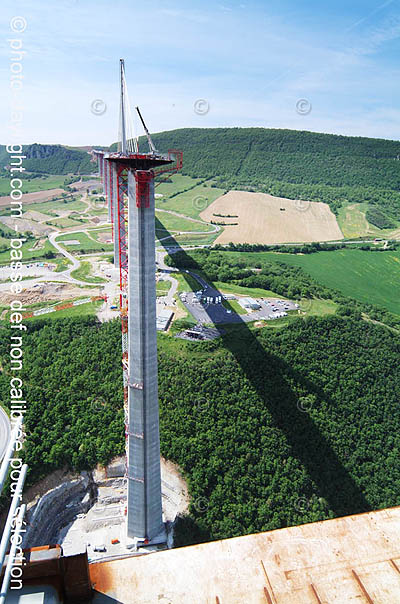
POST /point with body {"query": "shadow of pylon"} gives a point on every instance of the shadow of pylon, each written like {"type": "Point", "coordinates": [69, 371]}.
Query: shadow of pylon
{"type": "Point", "coordinates": [272, 378]}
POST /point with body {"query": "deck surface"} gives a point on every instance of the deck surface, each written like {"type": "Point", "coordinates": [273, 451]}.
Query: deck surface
{"type": "Point", "coordinates": [355, 559]}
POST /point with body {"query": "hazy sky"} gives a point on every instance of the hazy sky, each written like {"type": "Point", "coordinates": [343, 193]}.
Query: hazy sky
{"type": "Point", "coordinates": [251, 61]}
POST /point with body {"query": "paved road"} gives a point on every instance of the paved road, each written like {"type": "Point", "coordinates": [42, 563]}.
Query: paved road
{"type": "Point", "coordinates": [168, 299]}
{"type": "Point", "coordinates": [75, 262]}
{"type": "Point", "coordinates": [160, 260]}
{"type": "Point", "coordinates": [42, 273]}
{"type": "Point", "coordinates": [5, 432]}
{"type": "Point", "coordinates": [63, 251]}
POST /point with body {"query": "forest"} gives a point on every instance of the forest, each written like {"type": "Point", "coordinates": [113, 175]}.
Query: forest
{"type": "Point", "coordinates": [375, 216]}
{"type": "Point", "coordinates": [285, 163]}
{"type": "Point", "coordinates": [74, 418]}
{"type": "Point", "coordinates": [293, 164]}
{"type": "Point", "coordinates": [53, 159]}
{"type": "Point", "coordinates": [270, 427]}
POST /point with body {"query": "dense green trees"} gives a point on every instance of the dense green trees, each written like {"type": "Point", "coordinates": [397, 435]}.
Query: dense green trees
{"type": "Point", "coordinates": [72, 375]}
{"type": "Point", "coordinates": [53, 159]}
{"type": "Point", "coordinates": [271, 428]}
{"type": "Point", "coordinates": [293, 164]}
{"type": "Point", "coordinates": [375, 216]}
{"type": "Point", "coordinates": [293, 426]}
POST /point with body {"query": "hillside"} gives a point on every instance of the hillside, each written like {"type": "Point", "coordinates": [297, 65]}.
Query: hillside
{"type": "Point", "coordinates": [294, 164]}
{"type": "Point", "coordinates": [52, 159]}
{"type": "Point", "coordinates": [339, 170]}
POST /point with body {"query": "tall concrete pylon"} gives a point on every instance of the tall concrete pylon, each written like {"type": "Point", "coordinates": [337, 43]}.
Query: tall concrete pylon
{"type": "Point", "coordinates": [133, 204]}
{"type": "Point", "coordinates": [144, 475]}
{"type": "Point", "coordinates": [134, 232]}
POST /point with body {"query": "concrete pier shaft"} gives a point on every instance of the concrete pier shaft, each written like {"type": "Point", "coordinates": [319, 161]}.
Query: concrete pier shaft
{"type": "Point", "coordinates": [144, 475]}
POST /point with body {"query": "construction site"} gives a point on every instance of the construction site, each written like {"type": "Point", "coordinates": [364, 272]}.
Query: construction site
{"type": "Point", "coordinates": [87, 511]}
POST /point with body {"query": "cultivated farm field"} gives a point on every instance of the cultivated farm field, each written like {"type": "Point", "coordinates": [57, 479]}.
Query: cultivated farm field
{"type": "Point", "coordinates": [263, 218]}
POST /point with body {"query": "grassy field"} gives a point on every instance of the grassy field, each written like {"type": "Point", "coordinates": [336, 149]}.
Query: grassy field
{"type": "Point", "coordinates": [352, 221]}
{"type": "Point", "coordinates": [62, 264]}
{"type": "Point", "coordinates": [370, 277]}
{"type": "Point", "coordinates": [85, 243]}
{"type": "Point", "coordinates": [188, 239]}
{"type": "Point", "coordinates": [234, 306]}
{"type": "Point", "coordinates": [318, 307]}
{"type": "Point", "coordinates": [163, 287]}
{"type": "Point", "coordinates": [63, 223]}
{"type": "Point", "coordinates": [51, 207]}
{"type": "Point", "coordinates": [175, 223]}
{"type": "Point", "coordinates": [96, 234]}
{"type": "Point", "coordinates": [186, 283]}
{"type": "Point", "coordinates": [82, 310]}
{"type": "Point", "coordinates": [191, 202]}
{"type": "Point", "coordinates": [34, 184]}
{"type": "Point", "coordinates": [83, 273]}
{"type": "Point", "coordinates": [29, 254]}
{"type": "Point", "coordinates": [178, 183]}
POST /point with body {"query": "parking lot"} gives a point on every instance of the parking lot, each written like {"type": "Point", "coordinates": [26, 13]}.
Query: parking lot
{"type": "Point", "coordinates": [206, 306]}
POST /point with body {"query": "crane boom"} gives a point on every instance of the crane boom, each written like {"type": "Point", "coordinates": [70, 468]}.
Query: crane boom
{"type": "Point", "coordinates": [151, 144]}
